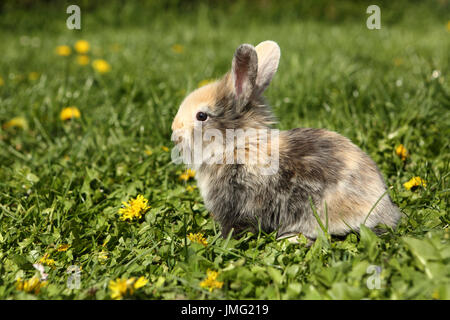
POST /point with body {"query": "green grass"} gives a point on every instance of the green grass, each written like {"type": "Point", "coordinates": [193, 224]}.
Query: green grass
{"type": "Point", "coordinates": [63, 183]}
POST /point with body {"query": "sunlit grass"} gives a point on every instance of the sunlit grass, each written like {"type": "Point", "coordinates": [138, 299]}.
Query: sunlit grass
{"type": "Point", "coordinates": [62, 183]}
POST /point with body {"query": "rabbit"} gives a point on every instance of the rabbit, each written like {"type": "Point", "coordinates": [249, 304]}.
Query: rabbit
{"type": "Point", "coordinates": [320, 172]}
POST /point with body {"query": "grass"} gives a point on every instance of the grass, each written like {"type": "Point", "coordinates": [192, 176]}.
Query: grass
{"type": "Point", "coordinates": [64, 182]}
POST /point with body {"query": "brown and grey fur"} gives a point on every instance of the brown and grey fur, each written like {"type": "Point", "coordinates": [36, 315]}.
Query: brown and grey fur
{"type": "Point", "coordinates": [317, 165]}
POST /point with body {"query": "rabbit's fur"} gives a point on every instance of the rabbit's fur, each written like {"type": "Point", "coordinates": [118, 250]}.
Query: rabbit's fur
{"type": "Point", "coordinates": [318, 169]}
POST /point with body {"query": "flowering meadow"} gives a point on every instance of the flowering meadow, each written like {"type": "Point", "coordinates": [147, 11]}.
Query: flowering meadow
{"type": "Point", "coordinates": [91, 206]}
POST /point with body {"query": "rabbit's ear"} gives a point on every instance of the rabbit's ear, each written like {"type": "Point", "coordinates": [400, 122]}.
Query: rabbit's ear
{"type": "Point", "coordinates": [268, 59]}
{"type": "Point", "coordinates": [244, 70]}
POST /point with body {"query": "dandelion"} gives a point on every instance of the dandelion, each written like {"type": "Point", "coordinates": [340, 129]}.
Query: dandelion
{"type": "Point", "coordinates": [134, 208]}
{"type": "Point", "coordinates": [46, 260]}
{"type": "Point", "coordinates": [123, 287]}
{"type": "Point", "coordinates": [32, 76]}
{"type": "Point", "coordinates": [2, 82]}
{"type": "Point", "coordinates": [148, 152]}
{"type": "Point", "coordinates": [115, 47]}
{"type": "Point", "coordinates": [448, 25]}
{"type": "Point", "coordinates": [63, 247]}
{"type": "Point", "coordinates": [63, 51]}
{"type": "Point", "coordinates": [139, 283]}
{"type": "Point", "coordinates": [205, 82]}
{"type": "Point", "coordinates": [70, 113]}
{"type": "Point", "coordinates": [103, 256]}
{"type": "Point", "coordinates": [435, 74]}
{"type": "Point", "coordinates": [198, 238]}
{"type": "Point", "coordinates": [191, 188]}
{"type": "Point", "coordinates": [414, 183]}
{"type": "Point", "coordinates": [178, 48]}
{"type": "Point", "coordinates": [83, 60]}
{"type": "Point", "coordinates": [118, 288]}
{"type": "Point", "coordinates": [165, 149]}
{"type": "Point", "coordinates": [82, 46]}
{"type": "Point", "coordinates": [398, 61]}
{"type": "Point", "coordinates": [401, 152]}
{"type": "Point", "coordinates": [17, 122]}
{"type": "Point", "coordinates": [210, 282]}
{"type": "Point", "coordinates": [435, 295]}
{"type": "Point", "coordinates": [101, 65]}
{"type": "Point", "coordinates": [31, 285]}
{"type": "Point", "coordinates": [188, 174]}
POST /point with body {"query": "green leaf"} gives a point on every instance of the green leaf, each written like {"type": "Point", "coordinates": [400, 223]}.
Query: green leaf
{"type": "Point", "coordinates": [275, 274]}
{"type": "Point", "coordinates": [342, 291]}
{"type": "Point", "coordinates": [21, 262]}
{"type": "Point", "coordinates": [423, 250]}
{"type": "Point", "coordinates": [370, 242]}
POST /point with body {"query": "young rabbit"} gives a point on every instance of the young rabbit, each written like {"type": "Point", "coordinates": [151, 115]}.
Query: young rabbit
{"type": "Point", "coordinates": [318, 171]}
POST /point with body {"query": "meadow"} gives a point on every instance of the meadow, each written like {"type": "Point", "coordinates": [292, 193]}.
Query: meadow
{"type": "Point", "coordinates": [66, 173]}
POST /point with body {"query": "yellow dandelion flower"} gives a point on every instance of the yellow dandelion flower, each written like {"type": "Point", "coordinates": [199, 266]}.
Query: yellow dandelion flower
{"type": "Point", "coordinates": [398, 61]}
{"type": "Point", "coordinates": [33, 284]}
{"type": "Point", "coordinates": [63, 247]}
{"type": "Point", "coordinates": [148, 152]}
{"type": "Point", "coordinates": [103, 256]}
{"type": "Point", "coordinates": [210, 282]}
{"type": "Point", "coordinates": [101, 65]}
{"type": "Point", "coordinates": [2, 82]}
{"type": "Point", "coordinates": [205, 82]}
{"type": "Point", "coordinates": [83, 60]}
{"type": "Point", "coordinates": [178, 48]}
{"type": "Point", "coordinates": [118, 288]}
{"type": "Point", "coordinates": [140, 283]}
{"type": "Point", "coordinates": [164, 148]}
{"type": "Point", "coordinates": [184, 177]}
{"type": "Point", "coordinates": [32, 76]}
{"type": "Point", "coordinates": [401, 152]}
{"type": "Point", "coordinates": [63, 51]}
{"type": "Point", "coordinates": [122, 287]}
{"type": "Point", "coordinates": [46, 260]}
{"type": "Point", "coordinates": [448, 25]}
{"type": "Point", "coordinates": [82, 46]}
{"type": "Point", "coordinates": [415, 182]}
{"type": "Point", "coordinates": [188, 174]}
{"type": "Point", "coordinates": [17, 122]}
{"type": "Point", "coordinates": [435, 295]}
{"type": "Point", "coordinates": [70, 113]}
{"type": "Point", "coordinates": [115, 47]}
{"type": "Point", "coordinates": [198, 238]}
{"type": "Point", "coordinates": [19, 284]}
{"type": "Point", "coordinates": [191, 188]}
{"type": "Point", "coordinates": [134, 208]}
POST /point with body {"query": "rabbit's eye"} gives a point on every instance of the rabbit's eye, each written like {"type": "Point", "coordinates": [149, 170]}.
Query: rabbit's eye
{"type": "Point", "coordinates": [201, 116]}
